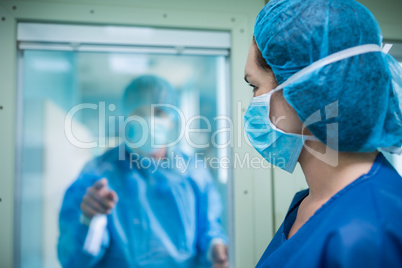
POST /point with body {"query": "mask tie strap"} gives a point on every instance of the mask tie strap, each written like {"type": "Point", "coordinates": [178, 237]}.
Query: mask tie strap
{"type": "Point", "coordinates": [338, 56]}
{"type": "Point", "coordinates": [386, 48]}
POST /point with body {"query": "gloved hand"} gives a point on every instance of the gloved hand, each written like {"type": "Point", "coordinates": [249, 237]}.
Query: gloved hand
{"type": "Point", "coordinates": [99, 199]}
{"type": "Point", "coordinates": [220, 256]}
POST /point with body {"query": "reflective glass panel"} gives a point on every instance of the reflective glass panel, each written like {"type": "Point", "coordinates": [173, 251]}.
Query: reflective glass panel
{"type": "Point", "coordinates": [72, 102]}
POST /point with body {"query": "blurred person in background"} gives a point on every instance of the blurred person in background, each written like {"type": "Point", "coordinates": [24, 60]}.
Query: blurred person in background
{"type": "Point", "coordinates": [134, 206]}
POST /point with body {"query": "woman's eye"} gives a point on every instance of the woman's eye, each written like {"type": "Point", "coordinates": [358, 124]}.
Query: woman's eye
{"type": "Point", "coordinates": [253, 87]}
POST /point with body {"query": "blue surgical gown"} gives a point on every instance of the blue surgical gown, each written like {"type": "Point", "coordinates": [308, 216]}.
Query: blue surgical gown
{"type": "Point", "coordinates": [165, 217]}
{"type": "Point", "coordinates": [360, 226]}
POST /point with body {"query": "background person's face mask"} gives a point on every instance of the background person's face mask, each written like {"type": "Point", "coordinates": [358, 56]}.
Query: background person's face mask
{"type": "Point", "coordinates": [149, 135]}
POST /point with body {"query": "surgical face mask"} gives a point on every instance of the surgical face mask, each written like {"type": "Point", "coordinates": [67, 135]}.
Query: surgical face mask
{"type": "Point", "coordinates": [276, 146]}
{"type": "Point", "coordinates": [146, 135]}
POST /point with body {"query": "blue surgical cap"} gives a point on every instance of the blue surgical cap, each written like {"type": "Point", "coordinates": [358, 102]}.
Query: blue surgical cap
{"type": "Point", "coordinates": [147, 90]}
{"type": "Point", "coordinates": [355, 101]}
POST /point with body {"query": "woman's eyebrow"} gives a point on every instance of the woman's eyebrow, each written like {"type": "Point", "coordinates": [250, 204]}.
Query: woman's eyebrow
{"type": "Point", "coordinates": [245, 78]}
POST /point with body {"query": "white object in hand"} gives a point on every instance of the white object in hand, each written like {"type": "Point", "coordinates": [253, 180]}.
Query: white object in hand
{"type": "Point", "coordinates": [97, 229]}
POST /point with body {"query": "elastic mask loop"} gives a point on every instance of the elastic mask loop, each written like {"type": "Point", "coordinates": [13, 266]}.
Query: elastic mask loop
{"type": "Point", "coordinates": [272, 125]}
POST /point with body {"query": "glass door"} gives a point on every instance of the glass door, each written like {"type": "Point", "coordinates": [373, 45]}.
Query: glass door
{"type": "Point", "coordinates": [71, 98]}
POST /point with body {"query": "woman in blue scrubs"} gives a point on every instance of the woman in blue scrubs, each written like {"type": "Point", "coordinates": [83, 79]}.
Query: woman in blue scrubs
{"type": "Point", "coordinates": [328, 95]}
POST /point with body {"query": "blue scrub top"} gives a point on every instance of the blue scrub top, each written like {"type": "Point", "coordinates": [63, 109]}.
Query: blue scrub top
{"type": "Point", "coordinates": [360, 226]}
{"type": "Point", "coordinates": [165, 216]}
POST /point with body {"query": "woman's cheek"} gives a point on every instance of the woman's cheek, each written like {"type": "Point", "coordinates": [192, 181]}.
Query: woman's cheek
{"type": "Point", "coordinates": [283, 116]}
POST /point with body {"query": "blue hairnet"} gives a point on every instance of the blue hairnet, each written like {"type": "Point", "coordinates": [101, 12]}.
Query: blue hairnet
{"type": "Point", "coordinates": [146, 90]}
{"type": "Point", "coordinates": [293, 34]}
